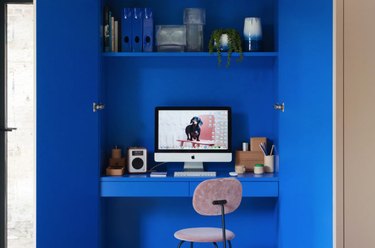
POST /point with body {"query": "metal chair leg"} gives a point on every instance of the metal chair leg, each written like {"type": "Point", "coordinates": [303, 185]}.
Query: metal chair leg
{"type": "Point", "coordinates": [215, 244]}
{"type": "Point", "coordinates": [180, 244]}
{"type": "Point", "coordinates": [191, 244]}
{"type": "Point", "coordinates": [230, 244]}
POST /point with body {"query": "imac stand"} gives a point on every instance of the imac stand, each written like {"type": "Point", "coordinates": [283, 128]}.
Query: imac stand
{"type": "Point", "coordinates": [193, 166]}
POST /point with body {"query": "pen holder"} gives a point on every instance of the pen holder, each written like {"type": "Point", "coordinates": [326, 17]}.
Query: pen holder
{"type": "Point", "coordinates": [269, 163]}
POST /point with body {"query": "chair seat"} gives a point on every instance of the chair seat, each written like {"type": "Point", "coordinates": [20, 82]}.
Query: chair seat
{"type": "Point", "coordinates": [203, 234]}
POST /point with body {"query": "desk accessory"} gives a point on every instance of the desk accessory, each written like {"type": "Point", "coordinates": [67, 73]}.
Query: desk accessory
{"type": "Point", "coordinates": [249, 159]}
{"type": "Point", "coordinates": [259, 169]}
{"type": "Point", "coordinates": [194, 174]}
{"type": "Point", "coordinates": [137, 29]}
{"type": "Point", "coordinates": [115, 170]}
{"type": "Point", "coordinates": [233, 174]}
{"type": "Point", "coordinates": [116, 163]}
{"type": "Point", "coordinates": [158, 174]}
{"type": "Point", "coordinates": [252, 32]}
{"type": "Point", "coordinates": [148, 30]}
{"type": "Point", "coordinates": [126, 30]}
{"type": "Point", "coordinates": [194, 19]}
{"type": "Point", "coordinates": [269, 163]}
{"type": "Point", "coordinates": [171, 38]}
{"type": "Point", "coordinates": [117, 159]}
{"type": "Point", "coordinates": [256, 141]}
{"type": "Point", "coordinates": [245, 146]}
{"type": "Point", "coordinates": [137, 160]}
{"type": "Point", "coordinates": [240, 169]}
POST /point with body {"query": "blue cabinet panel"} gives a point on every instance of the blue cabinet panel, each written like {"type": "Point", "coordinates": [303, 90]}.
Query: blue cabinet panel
{"type": "Point", "coordinates": [305, 128]}
{"type": "Point", "coordinates": [146, 186]}
{"type": "Point", "coordinates": [141, 189]}
{"type": "Point", "coordinates": [251, 189]}
{"type": "Point", "coordinates": [67, 64]}
{"type": "Point", "coordinates": [260, 189]}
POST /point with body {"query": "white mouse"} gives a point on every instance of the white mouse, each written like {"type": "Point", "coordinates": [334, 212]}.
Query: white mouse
{"type": "Point", "coordinates": [233, 174]}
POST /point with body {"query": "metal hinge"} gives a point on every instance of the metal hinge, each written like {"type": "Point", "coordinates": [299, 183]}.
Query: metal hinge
{"type": "Point", "coordinates": [97, 106]}
{"type": "Point", "coordinates": [279, 106]}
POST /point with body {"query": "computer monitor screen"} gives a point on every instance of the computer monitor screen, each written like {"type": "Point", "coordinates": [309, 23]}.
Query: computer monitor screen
{"type": "Point", "coordinates": [193, 129]}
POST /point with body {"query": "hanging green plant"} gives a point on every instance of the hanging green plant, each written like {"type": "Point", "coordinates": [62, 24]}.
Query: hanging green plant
{"type": "Point", "coordinates": [225, 40]}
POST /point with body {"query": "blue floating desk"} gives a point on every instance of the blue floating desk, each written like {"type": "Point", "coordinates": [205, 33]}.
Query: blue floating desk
{"type": "Point", "coordinates": [266, 185]}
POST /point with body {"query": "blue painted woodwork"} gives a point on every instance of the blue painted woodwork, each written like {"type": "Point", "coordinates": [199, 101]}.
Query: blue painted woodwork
{"type": "Point", "coordinates": [189, 54]}
{"type": "Point", "coordinates": [142, 83]}
{"type": "Point", "coordinates": [219, 14]}
{"type": "Point", "coordinates": [71, 140]}
{"type": "Point", "coordinates": [67, 129]}
{"type": "Point", "coordinates": [150, 222]}
{"type": "Point", "coordinates": [145, 186]}
{"type": "Point", "coordinates": [305, 128]}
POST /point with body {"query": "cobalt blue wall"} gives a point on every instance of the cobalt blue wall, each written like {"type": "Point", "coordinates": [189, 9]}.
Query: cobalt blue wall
{"type": "Point", "coordinates": [305, 128]}
{"type": "Point", "coordinates": [67, 129]}
{"type": "Point", "coordinates": [135, 86]}
{"type": "Point", "coordinates": [219, 14]}
{"type": "Point", "coordinates": [67, 83]}
{"type": "Point", "coordinates": [151, 222]}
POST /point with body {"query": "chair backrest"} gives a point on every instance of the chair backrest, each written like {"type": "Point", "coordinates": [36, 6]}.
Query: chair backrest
{"type": "Point", "coordinates": [229, 189]}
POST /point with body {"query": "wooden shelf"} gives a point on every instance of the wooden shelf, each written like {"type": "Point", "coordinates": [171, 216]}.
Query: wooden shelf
{"type": "Point", "coordinates": [186, 54]}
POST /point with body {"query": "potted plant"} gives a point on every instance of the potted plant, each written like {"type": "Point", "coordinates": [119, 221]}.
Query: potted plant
{"type": "Point", "coordinates": [225, 40]}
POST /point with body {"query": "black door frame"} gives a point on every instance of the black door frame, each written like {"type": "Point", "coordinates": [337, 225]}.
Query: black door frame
{"type": "Point", "coordinates": [3, 116]}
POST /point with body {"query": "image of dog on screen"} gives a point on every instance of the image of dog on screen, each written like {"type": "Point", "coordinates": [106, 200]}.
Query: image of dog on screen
{"type": "Point", "coordinates": [193, 130]}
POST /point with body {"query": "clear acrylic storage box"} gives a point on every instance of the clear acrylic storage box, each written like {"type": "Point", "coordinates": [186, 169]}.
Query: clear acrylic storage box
{"type": "Point", "coordinates": [170, 38]}
{"type": "Point", "coordinates": [194, 19]}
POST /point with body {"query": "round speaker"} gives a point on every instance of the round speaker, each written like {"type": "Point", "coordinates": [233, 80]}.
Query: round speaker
{"type": "Point", "coordinates": [137, 163]}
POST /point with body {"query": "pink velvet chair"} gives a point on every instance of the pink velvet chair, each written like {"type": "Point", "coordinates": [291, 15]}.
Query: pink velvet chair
{"type": "Point", "coordinates": [212, 198]}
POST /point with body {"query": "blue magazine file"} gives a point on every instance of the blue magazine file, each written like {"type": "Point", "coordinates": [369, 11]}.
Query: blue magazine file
{"type": "Point", "coordinates": [126, 30]}
{"type": "Point", "coordinates": [148, 30]}
{"type": "Point", "coordinates": [137, 28]}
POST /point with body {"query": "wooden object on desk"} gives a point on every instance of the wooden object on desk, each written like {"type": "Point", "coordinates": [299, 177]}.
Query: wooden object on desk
{"type": "Point", "coordinates": [249, 159]}
{"type": "Point", "coordinates": [255, 142]}
{"type": "Point", "coordinates": [117, 162]}
{"type": "Point", "coordinates": [116, 153]}
{"type": "Point", "coordinates": [115, 170]}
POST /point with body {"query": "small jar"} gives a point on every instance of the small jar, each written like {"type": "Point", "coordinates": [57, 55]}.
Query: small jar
{"type": "Point", "coordinates": [240, 169]}
{"type": "Point", "coordinates": [245, 146]}
{"type": "Point", "coordinates": [259, 169]}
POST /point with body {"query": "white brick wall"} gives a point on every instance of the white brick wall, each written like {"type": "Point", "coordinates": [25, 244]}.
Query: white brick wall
{"type": "Point", "coordinates": [20, 85]}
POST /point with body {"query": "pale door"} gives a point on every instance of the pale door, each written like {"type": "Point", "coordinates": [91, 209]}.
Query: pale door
{"type": "Point", "coordinates": [359, 123]}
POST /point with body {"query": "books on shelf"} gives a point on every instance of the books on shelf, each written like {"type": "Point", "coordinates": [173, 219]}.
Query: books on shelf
{"type": "Point", "coordinates": [110, 31]}
{"type": "Point", "coordinates": [133, 32]}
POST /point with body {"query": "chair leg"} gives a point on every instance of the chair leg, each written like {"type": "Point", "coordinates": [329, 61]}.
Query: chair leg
{"type": "Point", "coordinates": [180, 244]}
{"type": "Point", "coordinates": [230, 244]}
{"type": "Point", "coordinates": [215, 244]}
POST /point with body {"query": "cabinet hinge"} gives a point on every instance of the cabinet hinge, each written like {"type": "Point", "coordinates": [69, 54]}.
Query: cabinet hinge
{"type": "Point", "coordinates": [279, 106]}
{"type": "Point", "coordinates": [97, 106]}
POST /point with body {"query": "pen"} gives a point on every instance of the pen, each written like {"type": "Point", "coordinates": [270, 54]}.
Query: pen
{"type": "Point", "coordinates": [272, 150]}
{"type": "Point", "coordinates": [263, 149]}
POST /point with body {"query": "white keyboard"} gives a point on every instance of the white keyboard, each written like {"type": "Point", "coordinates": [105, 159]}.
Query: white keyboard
{"type": "Point", "coordinates": [195, 174]}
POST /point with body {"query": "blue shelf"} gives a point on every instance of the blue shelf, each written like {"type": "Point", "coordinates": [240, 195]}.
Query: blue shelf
{"type": "Point", "coordinates": [266, 185]}
{"type": "Point", "coordinates": [186, 54]}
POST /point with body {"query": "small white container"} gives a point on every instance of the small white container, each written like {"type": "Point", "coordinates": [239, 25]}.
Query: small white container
{"type": "Point", "coordinates": [259, 169]}
{"type": "Point", "coordinates": [245, 146]}
{"type": "Point", "coordinates": [269, 163]}
{"type": "Point", "coordinates": [240, 169]}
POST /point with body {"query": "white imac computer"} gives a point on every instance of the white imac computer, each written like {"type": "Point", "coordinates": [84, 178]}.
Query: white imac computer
{"type": "Point", "coordinates": [193, 135]}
